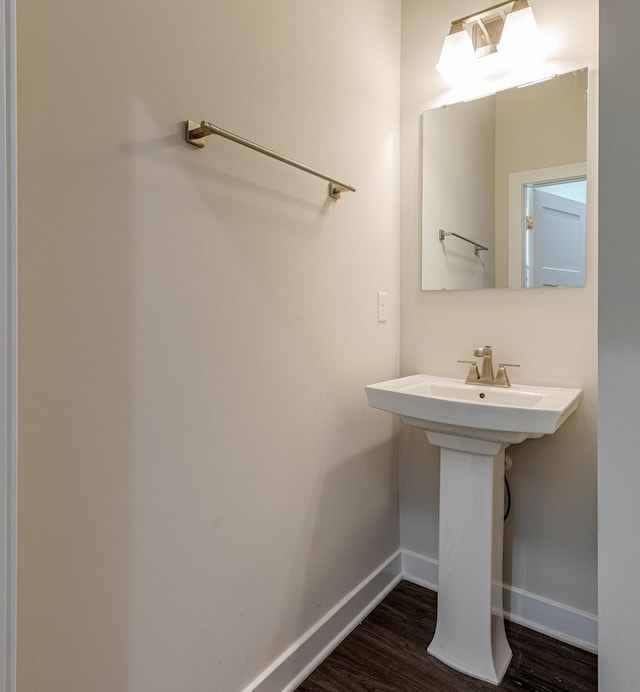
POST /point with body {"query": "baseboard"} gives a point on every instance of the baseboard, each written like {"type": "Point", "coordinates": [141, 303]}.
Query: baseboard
{"type": "Point", "coordinates": [295, 664]}
{"type": "Point", "coordinates": [554, 619]}
{"type": "Point", "coordinates": [419, 569]}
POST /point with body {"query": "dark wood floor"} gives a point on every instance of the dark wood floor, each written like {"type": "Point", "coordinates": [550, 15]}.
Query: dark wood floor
{"type": "Point", "coordinates": [388, 653]}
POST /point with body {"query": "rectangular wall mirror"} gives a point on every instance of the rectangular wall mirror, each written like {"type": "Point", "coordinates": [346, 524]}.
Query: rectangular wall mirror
{"type": "Point", "coordinates": [504, 188]}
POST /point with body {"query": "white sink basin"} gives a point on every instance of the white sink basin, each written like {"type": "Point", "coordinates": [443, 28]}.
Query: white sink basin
{"type": "Point", "coordinates": [448, 405]}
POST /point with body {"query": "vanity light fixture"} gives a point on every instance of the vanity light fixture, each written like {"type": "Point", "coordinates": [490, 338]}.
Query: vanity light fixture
{"type": "Point", "coordinates": [508, 28]}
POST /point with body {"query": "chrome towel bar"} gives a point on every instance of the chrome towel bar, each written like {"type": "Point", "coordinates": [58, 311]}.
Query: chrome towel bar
{"type": "Point", "coordinates": [194, 134]}
{"type": "Point", "coordinates": [476, 246]}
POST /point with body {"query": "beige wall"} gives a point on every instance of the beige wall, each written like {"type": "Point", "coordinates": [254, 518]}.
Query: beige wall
{"type": "Point", "coordinates": [550, 539]}
{"type": "Point", "coordinates": [200, 476]}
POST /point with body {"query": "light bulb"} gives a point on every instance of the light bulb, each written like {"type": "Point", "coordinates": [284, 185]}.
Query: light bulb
{"type": "Point", "coordinates": [457, 57]}
{"type": "Point", "coordinates": [520, 41]}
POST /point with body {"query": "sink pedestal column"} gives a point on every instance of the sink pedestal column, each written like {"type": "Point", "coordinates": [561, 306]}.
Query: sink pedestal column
{"type": "Point", "coordinates": [470, 634]}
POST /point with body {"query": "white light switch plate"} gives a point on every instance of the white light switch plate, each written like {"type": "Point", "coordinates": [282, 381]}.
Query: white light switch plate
{"type": "Point", "coordinates": [383, 299]}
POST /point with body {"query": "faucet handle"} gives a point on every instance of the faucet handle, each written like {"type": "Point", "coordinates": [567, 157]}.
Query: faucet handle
{"type": "Point", "coordinates": [502, 379]}
{"type": "Point", "coordinates": [474, 374]}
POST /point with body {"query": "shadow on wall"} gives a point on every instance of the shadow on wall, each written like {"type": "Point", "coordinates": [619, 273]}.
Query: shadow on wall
{"type": "Point", "coordinates": [539, 495]}
{"type": "Point", "coordinates": [419, 492]}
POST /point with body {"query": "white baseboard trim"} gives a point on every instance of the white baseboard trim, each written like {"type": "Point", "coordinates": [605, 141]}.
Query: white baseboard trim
{"type": "Point", "coordinates": [419, 569]}
{"type": "Point", "coordinates": [557, 620]}
{"type": "Point", "coordinates": [305, 654]}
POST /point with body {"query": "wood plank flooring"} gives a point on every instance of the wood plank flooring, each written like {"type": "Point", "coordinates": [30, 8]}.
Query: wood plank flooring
{"type": "Point", "coordinates": [388, 653]}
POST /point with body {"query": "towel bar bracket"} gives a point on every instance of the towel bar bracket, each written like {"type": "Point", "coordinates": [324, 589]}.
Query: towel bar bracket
{"type": "Point", "coordinates": [335, 190]}
{"type": "Point", "coordinates": [195, 134]}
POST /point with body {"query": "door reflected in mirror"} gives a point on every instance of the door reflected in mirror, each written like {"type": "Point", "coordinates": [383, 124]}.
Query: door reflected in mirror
{"type": "Point", "coordinates": [507, 172]}
{"type": "Point", "coordinates": [554, 231]}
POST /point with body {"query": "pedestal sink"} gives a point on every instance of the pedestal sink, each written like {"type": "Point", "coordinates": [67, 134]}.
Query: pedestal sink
{"type": "Point", "coordinates": [472, 425]}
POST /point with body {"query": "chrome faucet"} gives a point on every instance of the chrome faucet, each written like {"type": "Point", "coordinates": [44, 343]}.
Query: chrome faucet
{"type": "Point", "coordinates": [485, 375]}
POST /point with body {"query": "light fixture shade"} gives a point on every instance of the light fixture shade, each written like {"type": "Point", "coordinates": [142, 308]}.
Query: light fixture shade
{"type": "Point", "coordinates": [457, 56]}
{"type": "Point", "coordinates": [520, 40]}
